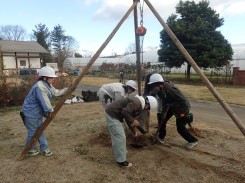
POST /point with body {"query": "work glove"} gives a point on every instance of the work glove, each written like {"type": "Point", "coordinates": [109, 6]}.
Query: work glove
{"type": "Point", "coordinates": [49, 115]}
{"type": "Point", "coordinates": [135, 123]}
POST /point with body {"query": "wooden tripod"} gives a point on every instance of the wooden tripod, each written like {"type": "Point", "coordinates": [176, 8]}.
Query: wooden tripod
{"type": "Point", "coordinates": [205, 80]}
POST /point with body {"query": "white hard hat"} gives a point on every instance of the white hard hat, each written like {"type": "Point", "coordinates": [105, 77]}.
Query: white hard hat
{"type": "Point", "coordinates": [132, 84]}
{"type": "Point", "coordinates": [47, 72]}
{"type": "Point", "coordinates": [142, 101]}
{"type": "Point", "coordinates": [152, 101]}
{"type": "Point", "coordinates": [155, 78]}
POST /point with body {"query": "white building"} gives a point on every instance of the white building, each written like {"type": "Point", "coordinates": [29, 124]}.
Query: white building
{"type": "Point", "coordinates": [17, 55]}
{"type": "Point", "coordinates": [152, 57]}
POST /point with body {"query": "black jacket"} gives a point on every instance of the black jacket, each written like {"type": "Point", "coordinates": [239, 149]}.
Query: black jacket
{"type": "Point", "coordinates": [172, 97]}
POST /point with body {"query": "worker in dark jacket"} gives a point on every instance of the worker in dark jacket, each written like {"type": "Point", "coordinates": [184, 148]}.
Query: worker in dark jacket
{"type": "Point", "coordinates": [173, 103]}
{"type": "Point", "coordinates": [125, 109]}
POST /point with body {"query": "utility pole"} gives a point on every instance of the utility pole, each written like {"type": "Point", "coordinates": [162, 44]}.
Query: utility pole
{"type": "Point", "coordinates": [137, 44]}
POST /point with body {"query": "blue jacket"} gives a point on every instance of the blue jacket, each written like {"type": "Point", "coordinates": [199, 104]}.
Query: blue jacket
{"type": "Point", "coordinates": [37, 102]}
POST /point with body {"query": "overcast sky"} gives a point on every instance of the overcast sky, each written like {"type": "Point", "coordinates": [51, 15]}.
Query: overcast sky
{"type": "Point", "coordinates": [91, 21]}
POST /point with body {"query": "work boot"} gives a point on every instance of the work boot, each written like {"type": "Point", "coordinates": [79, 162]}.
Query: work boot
{"type": "Point", "coordinates": [33, 152]}
{"type": "Point", "coordinates": [125, 164]}
{"type": "Point", "coordinates": [160, 140]}
{"type": "Point", "coordinates": [191, 144]}
{"type": "Point", "coordinates": [47, 152]}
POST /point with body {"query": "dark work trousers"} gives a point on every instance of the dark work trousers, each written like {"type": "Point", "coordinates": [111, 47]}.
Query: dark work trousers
{"type": "Point", "coordinates": [180, 124]}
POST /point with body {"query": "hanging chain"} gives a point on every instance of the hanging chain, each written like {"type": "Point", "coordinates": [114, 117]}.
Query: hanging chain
{"type": "Point", "coordinates": [141, 42]}
{"type": "Point", "coordinates": [141, 13]}
{"type": "Point", "coordinates": [141, 24]}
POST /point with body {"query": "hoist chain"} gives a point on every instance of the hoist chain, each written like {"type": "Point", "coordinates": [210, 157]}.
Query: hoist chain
{"type": "Point", "coordinates": [141, 24]}
{"type": "Point", "coordinates": [141, 13]}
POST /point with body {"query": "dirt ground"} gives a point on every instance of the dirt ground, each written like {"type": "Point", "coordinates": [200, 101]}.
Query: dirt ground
{"type": "Point", "coordinates": [80, 141]}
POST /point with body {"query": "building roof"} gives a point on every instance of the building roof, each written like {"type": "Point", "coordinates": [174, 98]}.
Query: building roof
{"type": "Point", "coordinates": [21, 47]}
{"type": "Point", "coordinates": [127, 59]}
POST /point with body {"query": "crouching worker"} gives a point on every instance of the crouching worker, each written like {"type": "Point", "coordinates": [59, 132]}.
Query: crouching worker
{"type": "Point", "coordinates": [37, 105]}
{"type": "Point", "coordinates": [116, 91]}
{"type": "Point", "coordinates": [127, 109]}
{"type": "Point", "coordinates": [173, 103]}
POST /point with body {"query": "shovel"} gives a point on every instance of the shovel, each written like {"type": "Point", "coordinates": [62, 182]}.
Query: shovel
{"type": "Point", "coordinates": [136, 144]}
{"type": "Point", "coordinates": [159, 126]}
{"type": "Point", "coordinates": [132, 129]}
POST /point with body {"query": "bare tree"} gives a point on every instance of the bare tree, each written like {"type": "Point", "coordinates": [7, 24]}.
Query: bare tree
{"type": "Point", "coordinates": [87, 53]}
{"type": "Point", "coordinates": [12, 32]}
{"type": "Point", "coordinates": [130, 49]}
{"type": "Point", "coordinates": [70, 47]}
{"type": "Point", "coordinates": [152, 49]}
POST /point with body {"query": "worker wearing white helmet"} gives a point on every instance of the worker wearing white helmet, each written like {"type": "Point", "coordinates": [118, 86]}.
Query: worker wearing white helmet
{"type": "Point", "coordinates": [156, 78]}
{"type": "Point", "coordinates": [125, 109]}
{"type": "Point", "coordinates": [47, 72]}
{"type": "Point", "coordinates": [153, 78]}
{"type": "Point", "coordinates": [132, 84]}
{"type": "Point", "coordinates": [37, 105]}
{"type": "Point", "coordinates": [115, 91]}
{"type": "Point", "coordinates": [173, 103]}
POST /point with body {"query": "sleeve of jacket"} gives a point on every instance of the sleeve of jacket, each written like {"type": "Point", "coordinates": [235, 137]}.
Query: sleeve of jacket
{"type": "Point", "coordinates": [43, 98]}
{"type": "Point", "coordinates": [176, 94]}
{"type": "Point", "coordinates": [55, 92]}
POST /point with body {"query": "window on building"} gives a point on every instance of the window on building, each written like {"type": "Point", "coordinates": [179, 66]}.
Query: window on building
{"type": "Point", "coordinates": [22, 62]}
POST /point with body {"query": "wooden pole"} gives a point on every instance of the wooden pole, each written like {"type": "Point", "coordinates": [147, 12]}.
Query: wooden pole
{"type": "Point", "coordinates": [74, 85]}
{"type": "Point", "coordinates": [205, 80]}
{"type": "Point", "coordinates": [137, 49]}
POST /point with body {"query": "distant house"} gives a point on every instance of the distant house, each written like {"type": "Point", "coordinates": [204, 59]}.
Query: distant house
{"type": "Point", "coordinates": [19, 57]}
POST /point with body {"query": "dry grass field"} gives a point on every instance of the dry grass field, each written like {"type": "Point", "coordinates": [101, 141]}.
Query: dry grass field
{"type": "Point", "coordinates": [80, 141]}
{"type": "Point", "coordinates": [232, 95]}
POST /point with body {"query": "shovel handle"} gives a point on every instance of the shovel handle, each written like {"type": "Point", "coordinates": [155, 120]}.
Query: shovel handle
{"type": "Point", "coordinates": [160, 124]}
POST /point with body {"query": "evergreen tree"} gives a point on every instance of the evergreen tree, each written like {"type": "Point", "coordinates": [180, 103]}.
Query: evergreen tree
{"type": "Point", "coordinates": [196, 29]}
{"type": "Point", "coordinates": [41, 35]}
{"type": "Point", "coordinates": [63, 46]}
{"type": "Point", "coordinates": [58, 39]}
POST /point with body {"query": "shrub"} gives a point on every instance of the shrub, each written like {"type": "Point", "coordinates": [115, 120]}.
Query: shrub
{"type": "Point", "coordinates": [14, 94]}
{"type": "Point", "coordinates": [11, 95]}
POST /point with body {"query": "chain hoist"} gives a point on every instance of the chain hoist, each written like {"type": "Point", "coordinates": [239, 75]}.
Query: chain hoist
{"type": "Point", "coordinates": [141, 30]}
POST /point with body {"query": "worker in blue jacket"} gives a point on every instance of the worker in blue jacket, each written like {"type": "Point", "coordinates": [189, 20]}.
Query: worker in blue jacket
{"type": "Point", "coordinates": [37, 105]}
